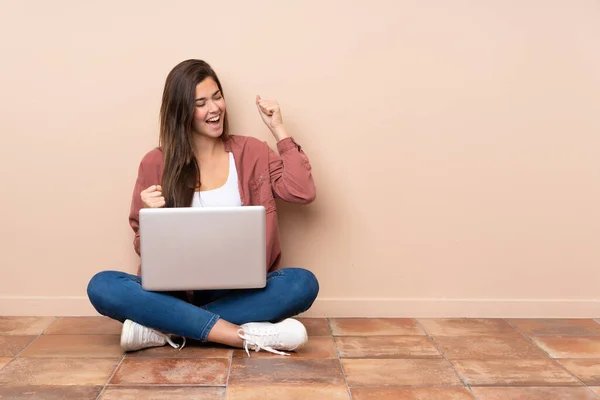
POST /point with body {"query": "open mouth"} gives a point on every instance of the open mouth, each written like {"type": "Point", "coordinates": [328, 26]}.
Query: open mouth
{"type": "Point", "coordinates": [214, 121]}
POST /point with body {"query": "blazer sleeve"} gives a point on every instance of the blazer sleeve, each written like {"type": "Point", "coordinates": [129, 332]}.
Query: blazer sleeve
{"type": "Point", "coordinates": [290, 173]}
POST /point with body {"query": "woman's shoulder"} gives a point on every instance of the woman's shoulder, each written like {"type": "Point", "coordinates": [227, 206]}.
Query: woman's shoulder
{"type": "Point", "coordinates": [152, 158]}
{"type": "Point", "coordinates": [246, 143]}
{"type": "Point", "coordinates": [154, 154]}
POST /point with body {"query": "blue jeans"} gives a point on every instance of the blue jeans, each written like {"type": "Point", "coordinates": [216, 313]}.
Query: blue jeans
{"type": "Point", "coordinates": [120, 296]}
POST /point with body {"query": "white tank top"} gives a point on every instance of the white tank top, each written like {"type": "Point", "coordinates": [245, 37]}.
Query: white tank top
{"type": "Point", "coordinates": [227, 195]}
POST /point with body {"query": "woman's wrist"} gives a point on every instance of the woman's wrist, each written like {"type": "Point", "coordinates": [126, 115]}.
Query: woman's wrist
{"type": "Point", "coordinates": [280, 133]}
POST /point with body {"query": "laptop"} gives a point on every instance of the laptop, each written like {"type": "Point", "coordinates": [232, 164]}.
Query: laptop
{"type": "Point", "coordinates": [202, 248]}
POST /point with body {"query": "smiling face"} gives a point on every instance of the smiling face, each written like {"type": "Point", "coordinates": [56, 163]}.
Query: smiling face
{"type": "Point", "coordinates": [209, 111]}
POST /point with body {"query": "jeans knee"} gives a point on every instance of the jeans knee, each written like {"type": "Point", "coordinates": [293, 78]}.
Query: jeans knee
{"type": "Point", "coordinates": [307, 285]}
{"type": "Point", "coordinates": [312, 284]}
{"type": "Point", "coordinates": [99, 287]}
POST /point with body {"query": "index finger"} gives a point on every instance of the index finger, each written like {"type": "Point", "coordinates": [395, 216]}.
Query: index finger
{"type": "Point", "coordinates": [149, 189]}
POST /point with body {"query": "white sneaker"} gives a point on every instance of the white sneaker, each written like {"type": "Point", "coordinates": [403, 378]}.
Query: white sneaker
{"type": "Point", "coordinates": [287, 335]}
{"type": "Point", "coordinates": [136, 337]}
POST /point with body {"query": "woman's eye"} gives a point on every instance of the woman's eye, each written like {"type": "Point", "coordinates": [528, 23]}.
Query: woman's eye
{"type": "Point", "coordinates": [200, 104]}
{"type": "Point", "coordinates": [219, 97]}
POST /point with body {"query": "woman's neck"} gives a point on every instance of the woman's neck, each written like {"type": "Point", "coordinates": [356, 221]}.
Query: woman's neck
{"type": "Point", "coordinates": [207, 147]}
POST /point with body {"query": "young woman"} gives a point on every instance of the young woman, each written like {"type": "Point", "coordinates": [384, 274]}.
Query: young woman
{"type": "Point", "coordinates": [198, 164]}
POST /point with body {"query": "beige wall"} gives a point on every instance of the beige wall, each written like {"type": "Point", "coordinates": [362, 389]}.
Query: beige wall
{"type": "Point", "coordinates": [455, 144]}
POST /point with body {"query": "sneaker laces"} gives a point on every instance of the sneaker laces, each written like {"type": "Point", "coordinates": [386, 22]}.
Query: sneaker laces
{"type": "Point", "coordinates": [155, 336]}
{"type": "Point", "coordinates": [175, 345]}
{"type": "Point", "coordinates": [263, 339]}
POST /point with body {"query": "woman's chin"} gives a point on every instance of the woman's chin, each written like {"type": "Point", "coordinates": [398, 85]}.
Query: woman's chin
{"type": "Point", "coordinates": [211, 134]}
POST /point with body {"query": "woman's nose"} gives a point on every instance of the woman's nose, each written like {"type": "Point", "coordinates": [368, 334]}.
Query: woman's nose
{"type": "Point", "coordinates": [213, 107]}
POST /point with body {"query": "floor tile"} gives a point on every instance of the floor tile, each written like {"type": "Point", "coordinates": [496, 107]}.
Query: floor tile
{"type": "Point", "coordinates": [11, 345]}
{"type": "Point", "coordinates": [411, 394]}
{"type": "Point", "coordinates": [50, 392]}
{"type": "Point", "coordinates": [4, 361]}
{"type": "Point", "coordinates": [316, 326]}
{"type": "Point", "coordinates": [513, 373]}
{"type": "Point", "coordinates": [588, 370]}
{"type": "Point", "coordinates": [375, 326]}
{"type": "Point", "coordinates": [488, 347]}
{"type": "Point", "coordinates": [87, 346]}
{"type": "Point", "coordinates": [163, 393]}
{"type": "Point", "coordinates": [569, 347]}
{"type": "Point", "coordinates": [466, 326]}
{"type": "Point", "coordinates": [533, 393]}
{"type": "Point", "coordinates": [189, 351]}
{"type": "Point", "coordinates": [84, 326]}
{"type": "Point", "coordinates": [287, 392]}
{"type": "Point", "coordinates": [57, 371]}
{"type": "Point", "coordinates": [285, 371]}
{"type": "Point", "coordinates": [368, 372]}
{"type": "Point", "coordinates": [24, 325]}
{"type": "Point", "coordinates": [557, 327]}
{"type": "Point", "coordinates": [317, 347]}
{"type": "Point", "coordinates": [386, 347]}
{"type": "Point", "coordinates": [150, 371]}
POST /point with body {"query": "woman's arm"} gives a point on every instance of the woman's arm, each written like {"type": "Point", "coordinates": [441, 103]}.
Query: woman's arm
{"type": "Point", "coordinates": [136, 205]}
{"type": "Point", "coordinates": [147, 192]}
{"type": "Point", "coordinates": [290, 170]}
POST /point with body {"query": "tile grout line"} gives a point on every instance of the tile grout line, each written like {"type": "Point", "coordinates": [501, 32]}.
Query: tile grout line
{"type": "Point", "coordinates": [337, 353]}
{"type": "Point", "coordinates": [549, 356]}
{"type": "Point", "coordinates": [30, 343]}
{"type": "Point", "coordinates": [229, 372]}
{"type": "Point", "coordinates": [111, 376]}
{"type": "Point", "coordinates": [442, 386]}
{"type": "Point", "coordinates": [445, 358]}
{"type": "Point", "coordinates": [11, 360]}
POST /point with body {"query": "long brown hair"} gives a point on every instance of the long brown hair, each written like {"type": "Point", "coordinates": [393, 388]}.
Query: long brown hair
{"type": "Point", "coordinates": [181, 171]}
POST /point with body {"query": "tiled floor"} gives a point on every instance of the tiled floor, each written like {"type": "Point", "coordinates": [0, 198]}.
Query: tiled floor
{"type": "Point", "coordinates": [379, 359]}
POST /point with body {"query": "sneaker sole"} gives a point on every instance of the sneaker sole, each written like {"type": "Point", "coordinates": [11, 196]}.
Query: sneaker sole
{"type": "Point", "coordinates": [125, 333]}
{"type": "Point", "coordinates": [305, 336]}
{"type": "Point", "coordinates": [303, 344]}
